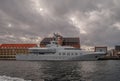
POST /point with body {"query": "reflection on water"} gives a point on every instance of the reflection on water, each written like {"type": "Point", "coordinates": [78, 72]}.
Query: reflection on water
{"type": "Point", "coordinates": [61, 71]}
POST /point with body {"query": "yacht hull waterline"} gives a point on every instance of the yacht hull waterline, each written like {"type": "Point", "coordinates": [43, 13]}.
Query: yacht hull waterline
{"type": "Point", "coordinates": [87, 57]}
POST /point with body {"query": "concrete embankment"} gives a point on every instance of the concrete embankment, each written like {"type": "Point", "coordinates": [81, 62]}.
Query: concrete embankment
{"type": "Point", "coordinates": [110, 58]}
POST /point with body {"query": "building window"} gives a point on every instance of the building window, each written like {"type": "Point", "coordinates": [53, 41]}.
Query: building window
{"type": "Point", "coordinates": [100, 50]}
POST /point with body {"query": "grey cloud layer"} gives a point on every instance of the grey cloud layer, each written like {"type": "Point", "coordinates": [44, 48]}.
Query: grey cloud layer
{"type": "Point", "coordinates": [97, 22]}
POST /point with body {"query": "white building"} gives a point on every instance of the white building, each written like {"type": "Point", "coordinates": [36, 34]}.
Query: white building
{"type": "Point", "coordinates": [101, 49]}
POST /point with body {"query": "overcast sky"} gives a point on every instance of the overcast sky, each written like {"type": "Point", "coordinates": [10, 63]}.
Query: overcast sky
{"type": "Point", "coordinates": [96, 22]}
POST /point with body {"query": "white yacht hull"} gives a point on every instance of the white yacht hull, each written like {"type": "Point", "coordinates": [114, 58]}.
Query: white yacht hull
{"type": "Point", "coordinates": [86, 57]}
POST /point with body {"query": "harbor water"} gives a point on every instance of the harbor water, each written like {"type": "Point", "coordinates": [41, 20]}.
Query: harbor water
{"type": "Point", "coordinates": [108, 70]}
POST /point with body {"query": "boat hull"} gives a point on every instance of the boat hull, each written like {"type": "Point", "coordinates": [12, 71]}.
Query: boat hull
{"type": "Point", "coordinates": [87, 57]}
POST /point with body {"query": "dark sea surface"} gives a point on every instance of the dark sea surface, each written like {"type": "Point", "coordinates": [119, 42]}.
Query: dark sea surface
{"type": "Point", "coordinates": [108, 70]}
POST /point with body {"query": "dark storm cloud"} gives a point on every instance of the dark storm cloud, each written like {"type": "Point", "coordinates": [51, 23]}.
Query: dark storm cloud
{"type": "Point", "coordinates": [97, 22]}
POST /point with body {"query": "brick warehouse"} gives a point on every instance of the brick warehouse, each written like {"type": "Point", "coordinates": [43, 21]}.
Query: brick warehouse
{"type": "Point", "coordinates": [67, 41]}
{"type": "Point", "coordinates": [8, 51]}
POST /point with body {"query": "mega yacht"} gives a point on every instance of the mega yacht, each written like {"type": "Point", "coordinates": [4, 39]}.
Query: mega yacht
{"type": "Point", "coordinates": [55, 52]}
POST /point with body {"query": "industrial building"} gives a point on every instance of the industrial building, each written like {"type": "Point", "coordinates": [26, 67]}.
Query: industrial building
{"type": "Point", "coordinates": [117, 49]}
{"type": "Point", "coordinates": [8, 51]}
{"type": "Point", "coordinates": [101, 49]}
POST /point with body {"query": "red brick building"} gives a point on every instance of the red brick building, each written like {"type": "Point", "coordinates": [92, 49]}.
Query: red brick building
{"type": "Point", "coordinates": [67, 41]}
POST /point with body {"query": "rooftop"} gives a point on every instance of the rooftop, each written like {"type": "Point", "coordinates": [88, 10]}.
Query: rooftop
{"type": "Point", "coordinates": [67, 39]}
{"type": "Point", "coordinates": [17, 45]}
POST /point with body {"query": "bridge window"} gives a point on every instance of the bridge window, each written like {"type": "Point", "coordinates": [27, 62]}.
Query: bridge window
{"type": "Point", "coordinates": [63, 53]}
{"type": "Point", "coordinates": [76, 54]}
{"type": "Point", "coordinates": [59, 53]}
{"type": "Point", "coordinates": [71, 53]}
{"type": "Point", "coordinates": [68, 53]}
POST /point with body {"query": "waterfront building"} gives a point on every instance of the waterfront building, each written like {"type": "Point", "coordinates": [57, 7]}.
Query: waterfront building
{"type": "Point", "coordinates": [117, 49]}
{"type": "Point", "coordinates": [101, 49]}
{"type": "Point", "coordinates": [8, 51]}
{"type": "Point", "coordinates": [63, 41]}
